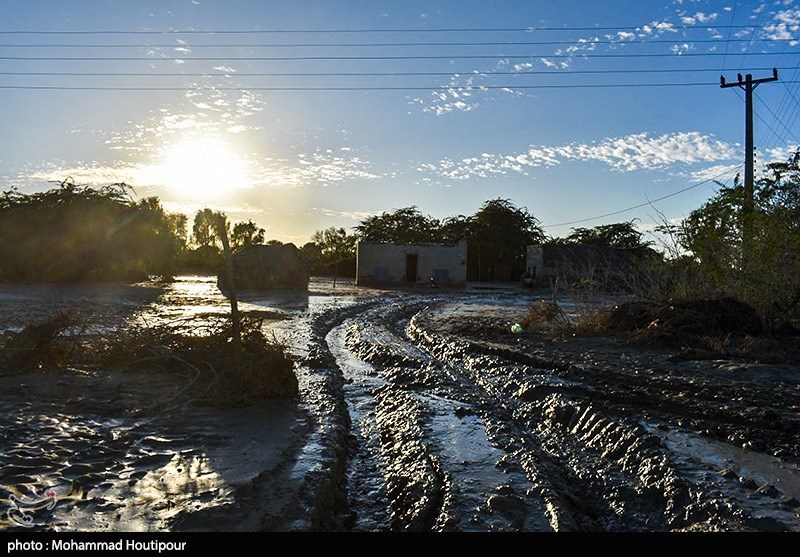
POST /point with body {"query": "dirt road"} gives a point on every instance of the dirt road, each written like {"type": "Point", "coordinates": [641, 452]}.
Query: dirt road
{"type": "Point", "coordinates": [418, 411]}
{"type": "Point", "coordinates": [455, 423]}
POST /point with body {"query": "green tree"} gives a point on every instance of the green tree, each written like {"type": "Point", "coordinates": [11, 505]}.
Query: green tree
{"type": "Point", "coordinates": [455, 229]}
{"type": "Point", "coordinates": [499, 233]}
{"type": "Point", "coordinates": [334, 246]}
{"type": "Point", "coordinates": [403, 226]}
{"type": "Point", "coordinates": [618, 235]}
{"type": "Point", "coordinates": [767, 276]}
{"type": "Point", "coordinates": [246, 234]}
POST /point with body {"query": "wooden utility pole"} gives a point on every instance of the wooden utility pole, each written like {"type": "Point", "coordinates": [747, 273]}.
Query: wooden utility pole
{"type": "Point", "coordinates": [748, 85]}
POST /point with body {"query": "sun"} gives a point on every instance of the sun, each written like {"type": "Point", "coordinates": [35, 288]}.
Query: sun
{"type": "Point", "coordinates": [201, 169]}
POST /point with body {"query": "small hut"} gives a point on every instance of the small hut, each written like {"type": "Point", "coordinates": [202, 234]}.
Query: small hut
{"type": "Point", "coordinates": [267, 267]}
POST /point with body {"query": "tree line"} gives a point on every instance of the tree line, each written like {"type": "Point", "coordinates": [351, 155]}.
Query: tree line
{"type": "Point", "coordinates": [73, 232]}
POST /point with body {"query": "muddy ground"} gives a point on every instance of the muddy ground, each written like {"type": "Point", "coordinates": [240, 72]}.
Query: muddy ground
{"type": "Point", "coordinates": [419, 410]}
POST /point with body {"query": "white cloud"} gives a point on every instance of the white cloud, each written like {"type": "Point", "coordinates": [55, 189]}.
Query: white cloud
{"type": "Point", "coordinates": [624, 154]}
{"type": "Point", "coordinates": [351, 215]}
{"type": "Point", "coordinates": [699, 17]}
{"type": "Point", "coordinates": [779, 154]}
{"type": "Point", "coordinates": [682, 48]}
{"type": "Point", "coordinates": [715, 172]}
{"type": "Point", "coordinates": [785, 26]}
{"type": "Point", "coordinates": [202, 111]}
{"type": "Point", "coordinates": [323, 167]}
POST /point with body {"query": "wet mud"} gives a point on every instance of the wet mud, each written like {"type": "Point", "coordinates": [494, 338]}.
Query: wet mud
{"type": "Point", "coordinates": [419, 411]}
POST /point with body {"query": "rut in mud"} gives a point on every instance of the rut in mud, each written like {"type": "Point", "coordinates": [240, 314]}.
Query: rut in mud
{"type": "Point", "coordinates": [452, 432]}
{"type": "Point", "coordinates": [418, 411]}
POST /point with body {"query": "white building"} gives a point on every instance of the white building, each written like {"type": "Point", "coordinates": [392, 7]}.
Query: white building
{"type": "Point", "coordinates": [383, 263]}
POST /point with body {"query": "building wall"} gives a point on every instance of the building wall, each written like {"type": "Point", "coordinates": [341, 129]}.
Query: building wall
{"type": "Point", "coordinates": [534, 262]}
{"type": "Point", "coordinates": [381, 263]}
{"type": "Point", "coordinates": [572, 262]}
{"type": "Point", "coordinates": [267, 267]}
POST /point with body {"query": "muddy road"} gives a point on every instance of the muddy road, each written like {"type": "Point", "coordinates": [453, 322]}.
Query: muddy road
{"type": "Point", "coordinates": [455, 423]}
{"type": "Point", "coordinates": [418, 411]}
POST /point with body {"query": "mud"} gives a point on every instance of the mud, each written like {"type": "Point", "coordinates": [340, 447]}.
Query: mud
{"type": "Point", "coordinates": [419, 411]}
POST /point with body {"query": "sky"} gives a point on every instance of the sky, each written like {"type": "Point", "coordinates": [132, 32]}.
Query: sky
{"type": "Point", "coordinates": [306, 114]}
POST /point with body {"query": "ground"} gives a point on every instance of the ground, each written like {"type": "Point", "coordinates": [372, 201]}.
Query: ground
{"type": "Point", "coordinates": [419, 410]}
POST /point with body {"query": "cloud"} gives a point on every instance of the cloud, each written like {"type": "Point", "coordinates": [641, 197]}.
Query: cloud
{"type": "Point", "coordinates": [321, 168]}
{"type": "Point", "coordinates": [326, 167]}
{"type": "Point", "coordinates": [351, 215]}
{"type": "Point", "coordinates": [682, 48]}
{"type": "Point", "coordinates": [785, 26]}
{"type": "Point", "coordinates": [780, 154]}
{"type": "Point", "coordinates": [623, 154]}
{"type": "Point", "coordinates": [715, 172]}
{"type": "Point", "coordinates": [466, 92]}
{"type": "Point", "coordinates": [201, 111]}
{"type": "Point", "coordinates": [456, 96]}
{"type": "Point", "coordinates": [697, 18]}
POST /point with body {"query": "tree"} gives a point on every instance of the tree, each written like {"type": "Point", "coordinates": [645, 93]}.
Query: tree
{"type": "Point", "coordinates": [102, 234]}
{"type": "Point", "coordinates": [499, 233]}
{"type": "Point", "coordinates": [246, 234]}
{"type": "Point", "coordinates": [769, 279]}
{"type": "Point", "coordinates": [204, 230]}
{"type": "Point", "coordinates": [455, 229]}
{"type": "Point", "coordinates": [334, 246]}
{"type": "Point", "coordinates": [178, 223]}
{"type": "Point", "coordinates": [403, 226]}
{"type": "Point", "coordinates": [618, 235]}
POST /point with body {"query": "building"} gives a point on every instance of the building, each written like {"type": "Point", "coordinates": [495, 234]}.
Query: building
{"type": "Point", "coordinates": [395, 264]}
{"type": "Point", "coordinates": [568, 262]}
{"type": "Point", "coordinates": [268, 267]}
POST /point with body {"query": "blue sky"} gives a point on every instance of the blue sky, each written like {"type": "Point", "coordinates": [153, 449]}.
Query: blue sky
{"type": "Point", "coordinates": [514, 103]}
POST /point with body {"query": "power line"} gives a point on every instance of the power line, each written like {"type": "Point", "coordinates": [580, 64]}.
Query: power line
{"type": "Point", "coordinates": [386, 45]}
{"type": "Point", "coordinates": [639, 206]}
{"type": "Point", "coordinates": [775, 119]}
{"type": "Point", "coordinates": [343, 31]}
{"type": "Point", "coordinates": [775, 134]}
{"type": "Point", "coordinates": [727, 42]}
{"type": "Point", "coordinates": [369, 88]}
{"type": "Point", "coordinates": [467, 73]}
{"type": "Point", "coordinates": [398, 57]}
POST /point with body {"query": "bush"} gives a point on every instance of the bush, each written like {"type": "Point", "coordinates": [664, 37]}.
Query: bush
{"type": "Point", "coordinates": [220, 371]}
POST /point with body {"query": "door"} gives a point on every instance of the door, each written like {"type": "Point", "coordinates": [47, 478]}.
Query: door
{"type": "Point", "coordinates": [411, 267]}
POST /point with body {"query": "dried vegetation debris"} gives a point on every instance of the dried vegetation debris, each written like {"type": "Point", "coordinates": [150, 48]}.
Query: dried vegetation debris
{"type": "Point", "coordinates": [220, 370]}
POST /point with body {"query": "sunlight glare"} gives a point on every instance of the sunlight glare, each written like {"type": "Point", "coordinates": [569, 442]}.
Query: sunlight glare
{"type": "Point", "coordinates": [201, 169]}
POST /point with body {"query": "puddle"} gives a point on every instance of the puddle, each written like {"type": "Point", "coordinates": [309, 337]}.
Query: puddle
{"type": "Point", "coordinates": [366, 484]}
{"type": "Point", "coordinates": [459, 437]}
{"type": "Point", "coordinates": [761, 468]}
{"type": "Point", "coordinates": [703, 460]}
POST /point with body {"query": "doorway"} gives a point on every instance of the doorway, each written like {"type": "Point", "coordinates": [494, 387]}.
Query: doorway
{"type": "Point", "coordinates": [411, 267]}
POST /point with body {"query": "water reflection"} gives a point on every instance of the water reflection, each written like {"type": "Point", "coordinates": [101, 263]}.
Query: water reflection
{"type": "Point", "coordinates": [196, 301]}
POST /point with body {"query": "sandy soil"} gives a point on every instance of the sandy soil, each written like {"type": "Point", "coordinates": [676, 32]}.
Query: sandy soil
{"type": "Point", "coordinates": [419, 410]}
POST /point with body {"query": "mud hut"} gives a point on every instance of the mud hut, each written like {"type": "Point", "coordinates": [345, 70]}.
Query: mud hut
{"type": "Point", "coordinates": [380, 263]}
{"type": "Point", "coordinates": [267, 267]}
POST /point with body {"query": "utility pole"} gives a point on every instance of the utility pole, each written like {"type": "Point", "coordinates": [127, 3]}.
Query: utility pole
{"type": "Point", "coordinates": [748, 85]}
